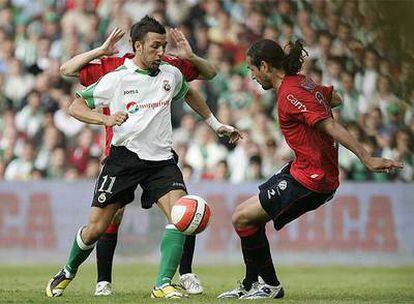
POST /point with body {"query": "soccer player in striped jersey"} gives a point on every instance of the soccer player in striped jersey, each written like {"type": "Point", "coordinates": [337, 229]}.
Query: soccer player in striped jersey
{"type": "Point", "coordinates": [310, 180]}
{"type": "Point", "coordinates": [90, 67]}
{"type": "Point", "coordinates": [139, 94]}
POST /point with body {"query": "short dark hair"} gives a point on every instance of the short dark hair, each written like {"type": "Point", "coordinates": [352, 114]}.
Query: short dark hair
{"type": "Point", "coordinates": [271, 52]}
{"type": "Point", "coordinates": [144, 26]}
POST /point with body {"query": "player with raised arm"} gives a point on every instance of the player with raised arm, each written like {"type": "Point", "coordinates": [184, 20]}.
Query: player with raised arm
{"type": "Point", "coordinates": [139, 93]}
{"type": "Point", "coordinates": [310, 180]}
{"type": "Point", "coordinates": [89, 70]}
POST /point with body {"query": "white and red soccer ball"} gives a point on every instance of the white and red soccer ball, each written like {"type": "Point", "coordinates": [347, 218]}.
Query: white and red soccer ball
{"type": "Point", "coordinates": [191, 214]}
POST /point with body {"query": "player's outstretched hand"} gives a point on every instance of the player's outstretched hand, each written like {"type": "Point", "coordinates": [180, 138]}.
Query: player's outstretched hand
{"type": "Point", "coordinates": [116, 119]}
{"type": "Point", "coordinates": [231, 132]}
{"type": "Point", "coordinates": [108, 47]}
{"type": "Point", "coordinates": [184, 49]}
{"type": "Point", "coordinates": [378, 164]}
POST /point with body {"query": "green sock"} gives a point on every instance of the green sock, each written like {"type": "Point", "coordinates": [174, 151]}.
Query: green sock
{"type": "Point", "coordinates": [78, 254]}
{"type": "Point", "coordinates": [171, 250]}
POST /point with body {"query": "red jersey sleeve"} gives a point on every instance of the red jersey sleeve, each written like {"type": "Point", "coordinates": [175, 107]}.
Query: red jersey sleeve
{"type": "Point", "coordinates": [189, 71]}
{"type": "Point", "coordinates": [91, 72]}
{"type": "Point", "coordinates": [327, 92]}
{"type": "Point", "coordinates": [308, 107]}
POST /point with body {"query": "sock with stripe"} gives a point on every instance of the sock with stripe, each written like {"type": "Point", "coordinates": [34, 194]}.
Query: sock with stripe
{"type": "Point", "coordinates": [172, 244]}
{"type": "Point", "coordinates": [105, 249]}
{"type": "Point", "coordinates": [78, 254]}
{"type": "Point", "coordinates": [257, 257]}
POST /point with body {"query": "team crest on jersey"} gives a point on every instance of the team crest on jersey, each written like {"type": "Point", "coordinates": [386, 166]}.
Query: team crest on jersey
{"type": "Point", "coordinates": [308, 84]}
{"type": "Point", "coordinates": [166, 85]}
{"type": "Point", "coordinates": [132, 107]}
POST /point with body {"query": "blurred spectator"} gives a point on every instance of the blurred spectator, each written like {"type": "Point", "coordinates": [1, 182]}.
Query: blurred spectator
{"type": "Point", "coordinates": [52, 138]}
{"type": "Point", "coordinates": [384, 99]}
{"type": "Point", "coordinates": [5, 102]}
{"type": "Point", "coordinates": [366, 80]}
{"type": "Point", "coordinates": [236, 98]}
{"type": "Point", "coordinates": [340, 46]}
{"type": "Point", "coordinates": [29, 119]}
{"type": "Point", "coordinates": [185, 132]}
{"type": "Point", "coordinates": [77, 19]}
{"type": "Point", "coordinates": [63, 121]}
{"type": "Point", "coordinates": [270, 158]}
{"type": "Point", "coordinates": [373, 122]}
{"type": "Point", "coordinates": [204, 152]}
{"type": "Point", "coordinates": [71, 174]}
{"type": "Point", "coordinates": [331, 76]}
{"type": "Point", "coordinates": [254, 171]}
{"type": "Point", "coordinates": [404, 151]}
{"type": "Point", "coordinates": [20, 169]}
{"type": "Point", "coordinates": [239, 158]}
{"type": "Point", "coordinates": [17, 83]}
{"type": "Point", "coordinates": [80, 155]}
{"type": "Point", "coordinates": [323, 50]}
{"type": "Point", "coordinates": [221, 172]}
{"type": "Point", "coordinates": [57, 164]}
{"type": "Point", "coordinates": [353, 101]}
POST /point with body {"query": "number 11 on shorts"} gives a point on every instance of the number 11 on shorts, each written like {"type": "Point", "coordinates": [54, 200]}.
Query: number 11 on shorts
{"type": "Point", "coordinates": [111, 184]}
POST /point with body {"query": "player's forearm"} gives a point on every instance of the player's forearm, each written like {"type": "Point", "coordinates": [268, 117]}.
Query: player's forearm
{"type": "Point", "coordinates": [79, 110]}
{"type": "Point", "coordinates": [207, 70]}
{"type": "Point", "coordinates": [344, 137]}
{"type": "Point", "coordinates": [72, 67]}
{"type": "Point", "coordinates": [197, 103]}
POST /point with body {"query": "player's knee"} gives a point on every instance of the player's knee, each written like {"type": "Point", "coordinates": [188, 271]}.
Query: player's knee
{"type": "Point", "coordinates": [239, 218]}
{"type": "Point", "coordinates": [93, 232]}
{"type": "Point", "coordinates": [242, 225]}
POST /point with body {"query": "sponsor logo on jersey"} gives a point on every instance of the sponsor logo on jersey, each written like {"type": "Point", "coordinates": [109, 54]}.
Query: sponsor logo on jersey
{"type": "Point", "coordinates": [126, 92]}
{"type": "Point", "coordinates": [166, 85]}
{"type": "Point", "coordinates": [132, 107]}
{"type": "Point", "coordinates": [296, 103]}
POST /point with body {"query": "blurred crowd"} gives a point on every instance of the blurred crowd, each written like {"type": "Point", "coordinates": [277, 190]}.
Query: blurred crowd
{"type": "Point", "coordinates": [39, 140]}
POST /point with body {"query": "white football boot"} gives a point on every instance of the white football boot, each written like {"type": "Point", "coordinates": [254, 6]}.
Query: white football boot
{"type": "Point", "coordinates": [191, 284]}
{"type": "Point", "coordinates": [103, 288]}
{"type": "Point", "coordinates": [238, 292]}
{"type": "Point", "coordinates": [265, 291]}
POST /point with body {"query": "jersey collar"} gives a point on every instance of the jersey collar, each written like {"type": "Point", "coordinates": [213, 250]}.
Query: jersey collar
{"type": "Point", "coordinates": [132, 67]}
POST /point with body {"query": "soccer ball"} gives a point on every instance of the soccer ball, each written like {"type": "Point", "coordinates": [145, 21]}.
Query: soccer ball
{"type": "Point", "coordinates": [190, 214]}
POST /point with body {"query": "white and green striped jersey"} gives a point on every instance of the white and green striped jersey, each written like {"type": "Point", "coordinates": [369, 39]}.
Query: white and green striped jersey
{"type": "Point", "coordinates": [147, 100]}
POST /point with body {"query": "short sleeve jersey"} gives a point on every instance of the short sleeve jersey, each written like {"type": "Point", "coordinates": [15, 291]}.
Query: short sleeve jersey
{"type": "Point", "coordinates": [301, 105]}
{"type": "Point", "coordinates": [147, 100]}
{"type": "Point", "coordinates": [93, 71]}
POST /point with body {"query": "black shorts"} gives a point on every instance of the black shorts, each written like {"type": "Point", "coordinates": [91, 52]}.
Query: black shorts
{"type": "Point", "coordinates": [284, 199]}
{"type": "Point", "coordinates": [123, 171]}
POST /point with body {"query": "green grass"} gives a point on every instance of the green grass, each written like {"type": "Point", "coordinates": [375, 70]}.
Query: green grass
{"type": "Point", "coordinates": [133, 283]}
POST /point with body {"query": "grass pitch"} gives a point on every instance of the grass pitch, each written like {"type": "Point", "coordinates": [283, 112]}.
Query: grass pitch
{"type": "Point", "coordinates": [133, 283]}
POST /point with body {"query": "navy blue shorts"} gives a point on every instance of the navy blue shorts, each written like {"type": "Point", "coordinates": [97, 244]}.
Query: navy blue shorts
{"type": "Point", "coordinates": [285, 199]}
